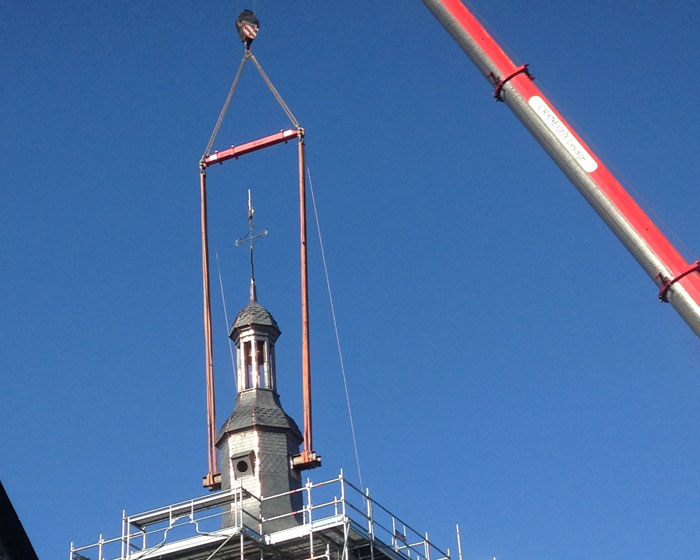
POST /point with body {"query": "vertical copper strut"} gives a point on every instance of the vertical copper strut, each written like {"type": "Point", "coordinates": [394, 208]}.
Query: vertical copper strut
{"type": "Point", "coordinates": [305, 353]}
{"type": "Point", "coordinates": [210, 480]}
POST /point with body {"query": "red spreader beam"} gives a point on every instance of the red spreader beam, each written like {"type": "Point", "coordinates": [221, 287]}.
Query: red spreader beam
{"type": "Point", "coordinates": [254, 146]}
{"type": "Point", "coordinates": [308, 458]}
{"type": "Point", "coordinates": [678, 280]}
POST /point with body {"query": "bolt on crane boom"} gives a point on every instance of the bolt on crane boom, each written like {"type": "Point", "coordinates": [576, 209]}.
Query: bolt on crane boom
{"type": "Point", "coordinates": [678, 280]}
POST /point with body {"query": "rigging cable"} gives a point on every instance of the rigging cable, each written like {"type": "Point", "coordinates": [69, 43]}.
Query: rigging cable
{"type": "Point", "coordinates": [335, 327]}
{"type": "Point", "coordinates": [274, 91]}
{"type": "Point", "coordinates": [223, 300]}
{"type": "Point", "coordinates": [248, 55]}
{"type": "Point", "coordinates": [222, 114]}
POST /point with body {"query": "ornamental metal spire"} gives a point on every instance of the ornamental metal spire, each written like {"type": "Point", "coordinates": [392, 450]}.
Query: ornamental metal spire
{"type": "Point", "coordinates": [251, 238]}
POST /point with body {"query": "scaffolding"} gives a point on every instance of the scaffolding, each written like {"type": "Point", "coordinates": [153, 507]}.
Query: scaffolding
{"type": "Point", "coordinates": [337, 522]}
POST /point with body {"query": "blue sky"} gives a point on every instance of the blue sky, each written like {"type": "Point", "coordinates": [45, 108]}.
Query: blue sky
{"type": "Point", "coordinates": [509, 366]}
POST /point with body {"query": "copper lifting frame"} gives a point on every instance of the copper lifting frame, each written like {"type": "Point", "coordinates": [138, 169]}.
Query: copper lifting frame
{"type": "Point", "coordinates": [308, 458]}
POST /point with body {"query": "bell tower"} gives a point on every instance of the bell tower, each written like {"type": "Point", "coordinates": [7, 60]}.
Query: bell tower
{"type": "Point", "coordinates": [257, 442]}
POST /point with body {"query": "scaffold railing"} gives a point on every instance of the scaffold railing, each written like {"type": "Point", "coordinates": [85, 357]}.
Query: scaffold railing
{"type": "Point", "coordinates": [198, 522]}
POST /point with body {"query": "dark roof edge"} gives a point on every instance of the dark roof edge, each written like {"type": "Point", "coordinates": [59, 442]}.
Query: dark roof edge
{"type": "Point", "coordinates": [13, 537]}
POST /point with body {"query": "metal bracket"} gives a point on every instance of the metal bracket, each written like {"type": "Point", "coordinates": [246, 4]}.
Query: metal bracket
{"type": "Point", "coordinates": [666, 283]}
{"type": "Point", "coordinates": [212, 481]}
{"type": "Point", "coordinates": [503, 81]}
{"type": "Point", "coordinates": [305, 460]}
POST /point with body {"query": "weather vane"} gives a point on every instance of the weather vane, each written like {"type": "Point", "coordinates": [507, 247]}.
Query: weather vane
{"type": "Point", "coordinates": [251, 238]}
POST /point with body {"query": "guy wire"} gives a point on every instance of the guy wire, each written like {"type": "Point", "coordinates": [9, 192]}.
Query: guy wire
{"type": "Point", "coordinates": [223, 300]}
{"type": "Point", "coordinates": [335, 327]}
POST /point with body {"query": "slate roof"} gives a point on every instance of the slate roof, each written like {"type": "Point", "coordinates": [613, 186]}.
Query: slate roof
{"type": "Point", "coordinates": [254, 314]}
{"type": "Point", "coordinates": [259, 408]}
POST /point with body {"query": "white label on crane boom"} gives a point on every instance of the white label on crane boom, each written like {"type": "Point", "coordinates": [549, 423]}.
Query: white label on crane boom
{"type": "Point", "coordinates": [563, 134]}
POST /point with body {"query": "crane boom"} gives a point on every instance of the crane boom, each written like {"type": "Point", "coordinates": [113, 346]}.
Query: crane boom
{"type": "Point", "coordinates": [678, 280]}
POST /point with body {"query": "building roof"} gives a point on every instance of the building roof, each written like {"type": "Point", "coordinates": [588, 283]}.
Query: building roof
{"type": "Point", "coordinates": [254, 314]}
{"type": "Point", "coordinates": [14, 542]}
{"type": "Point", "coordinates": [259, 408]}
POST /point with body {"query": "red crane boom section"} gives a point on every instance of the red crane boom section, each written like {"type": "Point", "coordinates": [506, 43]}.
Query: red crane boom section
{"type": "Point", "coordinates": [636, 230]}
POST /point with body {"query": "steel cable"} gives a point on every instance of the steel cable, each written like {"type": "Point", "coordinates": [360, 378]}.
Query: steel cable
{"type": "Point", "coordinates": [223, 301]}
{"type": "Point", "coordinates": [274, 91]}
{"type": "Point", "coordinates": [212, 138]}
{"type": "Point", "coordinates": [248, 55]}
{"type": "Point", "coordinates": [335, 327]}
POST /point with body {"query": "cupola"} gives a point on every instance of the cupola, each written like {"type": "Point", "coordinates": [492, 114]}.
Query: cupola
{"type": "Point", "coordinates": [255, 332]}
{"type": "Point", "coordinates": [258, 440]}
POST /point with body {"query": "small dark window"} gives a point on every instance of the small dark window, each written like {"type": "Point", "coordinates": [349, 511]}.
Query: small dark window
{"type": "Point", "coordinates": [243, 465]}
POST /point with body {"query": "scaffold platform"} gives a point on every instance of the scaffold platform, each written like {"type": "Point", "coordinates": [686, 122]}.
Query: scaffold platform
{"type": "Point", "coordinates": [337, 522]}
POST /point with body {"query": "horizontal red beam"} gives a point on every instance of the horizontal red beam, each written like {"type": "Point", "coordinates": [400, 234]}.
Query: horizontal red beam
{"type": "Point", "coordinates": [254, 146]}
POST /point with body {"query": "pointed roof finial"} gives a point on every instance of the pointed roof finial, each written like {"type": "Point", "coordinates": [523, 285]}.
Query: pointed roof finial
{"type": "Point", "coordinates": [251, 238]}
